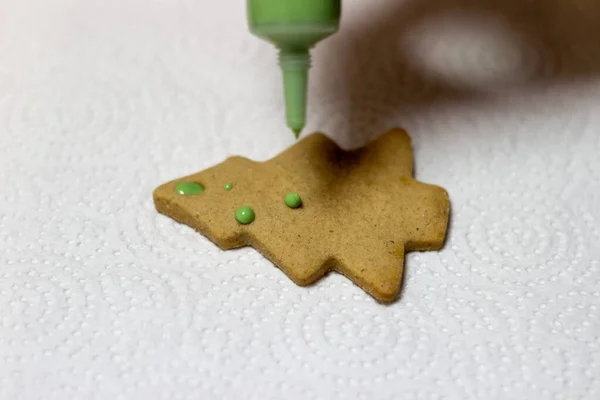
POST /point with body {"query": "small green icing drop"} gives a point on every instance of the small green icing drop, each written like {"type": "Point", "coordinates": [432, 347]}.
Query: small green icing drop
{"type": "Point", "coordinates": [292, 200]}
{"type": "Point", "coordinates": [244, 215]}
{"type": "Point", "coordinates": [189, 188]}
{"type": "Point", "coordinates": [228, 186]}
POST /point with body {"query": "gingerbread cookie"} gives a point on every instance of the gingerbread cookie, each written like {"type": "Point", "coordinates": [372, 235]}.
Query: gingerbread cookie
{"type": "Point", "coordinates": [316, 207]}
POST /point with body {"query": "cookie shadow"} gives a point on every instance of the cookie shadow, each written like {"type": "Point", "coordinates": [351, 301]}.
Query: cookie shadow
{"type": "Point", "coordinates": [397, 60]}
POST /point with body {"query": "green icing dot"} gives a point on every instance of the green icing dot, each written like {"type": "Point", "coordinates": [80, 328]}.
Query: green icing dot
{"type": "Point", "coordinates": [228, 186]}
{"type": "Point", "coordinates": [292, 200]}
{"type": "Point", "coordinates": [189, 188]}
{"type": "Point", "coordinates": [244, 215]}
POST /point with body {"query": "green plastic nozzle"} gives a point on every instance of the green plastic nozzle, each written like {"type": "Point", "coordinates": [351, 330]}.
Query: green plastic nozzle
{"type": "Point", "coordinates": [294, 27]}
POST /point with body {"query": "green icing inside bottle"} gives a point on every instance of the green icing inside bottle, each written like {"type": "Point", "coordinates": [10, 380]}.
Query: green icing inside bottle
{"type": "Point", "coordinates": [294, 27]}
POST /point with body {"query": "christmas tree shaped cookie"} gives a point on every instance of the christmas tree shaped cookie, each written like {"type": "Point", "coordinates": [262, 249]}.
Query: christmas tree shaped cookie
{"type": "Point", "coordinates": [316, 207]}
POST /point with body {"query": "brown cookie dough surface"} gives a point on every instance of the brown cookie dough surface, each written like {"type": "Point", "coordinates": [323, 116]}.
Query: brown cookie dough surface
{"type": "Point", "coordinates": [361, 210]}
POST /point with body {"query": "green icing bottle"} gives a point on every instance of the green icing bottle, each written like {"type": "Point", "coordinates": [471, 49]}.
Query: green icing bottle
{"type": "Point", "coordinates": [294, 27]}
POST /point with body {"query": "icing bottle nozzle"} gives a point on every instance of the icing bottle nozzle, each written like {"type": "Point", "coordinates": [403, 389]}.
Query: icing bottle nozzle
{"type": "Point", "coordinates": [294, 27]}
{"type": "Point", "coordinates": [295, 66]}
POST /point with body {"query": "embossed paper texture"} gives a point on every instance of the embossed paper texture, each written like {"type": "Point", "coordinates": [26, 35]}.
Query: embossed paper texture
{"type": "Point", "coordinates": [103, 298]}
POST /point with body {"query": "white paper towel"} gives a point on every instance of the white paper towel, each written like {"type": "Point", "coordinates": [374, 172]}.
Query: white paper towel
{"type": "Point", "coordinates": [102, 298]}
